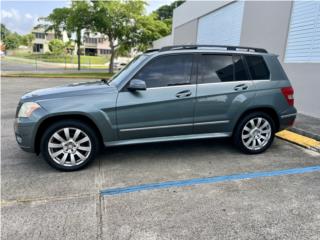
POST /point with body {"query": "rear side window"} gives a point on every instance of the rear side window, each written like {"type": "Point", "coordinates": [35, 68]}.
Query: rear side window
{"type": "Point", "coordinates": [216, 68]}
{"type": "Point", "coordinates": [240, 72]}
{"type": "Point", "coordinates": [167, 70]}
{"type": "Point", "coordinates": [221, 68]}
{"type": "Point", "coordinates": [257, 67]}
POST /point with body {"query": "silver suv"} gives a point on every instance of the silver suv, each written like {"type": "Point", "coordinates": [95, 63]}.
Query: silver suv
{"type": "Point", "coordinates": [172, 93]}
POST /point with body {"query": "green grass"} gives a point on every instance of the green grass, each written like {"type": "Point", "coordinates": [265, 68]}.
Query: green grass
{"type": "Point", "coordinates": [61, 75]}
{"type": "Point", "coordinates": [46, 57]}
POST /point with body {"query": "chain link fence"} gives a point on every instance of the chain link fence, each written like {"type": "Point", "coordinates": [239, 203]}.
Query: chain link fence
{"type": "Point", "coordinates": [52, 63]}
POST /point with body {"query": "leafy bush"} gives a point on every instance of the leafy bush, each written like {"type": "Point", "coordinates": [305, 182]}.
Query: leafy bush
{"type": "Point", "coordinates": [56, 46]}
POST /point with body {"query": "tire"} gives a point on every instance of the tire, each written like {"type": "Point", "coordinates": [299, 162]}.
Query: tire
{"type": "Point", "coordinates": [257, 138]}
{"type": "Point", "coordinates": [69, 145]}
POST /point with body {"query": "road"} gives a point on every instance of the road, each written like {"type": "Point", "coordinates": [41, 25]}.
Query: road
{"type": "Point", "coordinates": [39, 202]}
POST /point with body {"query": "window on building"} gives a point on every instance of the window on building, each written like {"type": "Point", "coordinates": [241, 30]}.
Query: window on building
{"type": "Point", "coordinates": [257, 67]}
{"type": "Point", "coordinates": [39, 35]}
{"type": "Point", "coordinates": [167, 70]}
{"type": "Point", "coordinates": [104, 51]}
{"type": "Point", "coordinates": [37, 47]}
{"type": "Point", "coordinates": [304, 35]}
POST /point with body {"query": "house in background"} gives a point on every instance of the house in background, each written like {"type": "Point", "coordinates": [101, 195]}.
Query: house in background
{"type": "Point", "coordinates": [95, 44]}
{"type": "Point", "coordinates": [41, 41]}
{"type": "Point", "coordinates": [290, 29]}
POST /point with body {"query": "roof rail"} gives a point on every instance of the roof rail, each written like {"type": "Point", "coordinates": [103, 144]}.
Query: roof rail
{"type": "Point", "coordinates": [227, 47]}
{"type": "Point", "coordinates": [152, 50]}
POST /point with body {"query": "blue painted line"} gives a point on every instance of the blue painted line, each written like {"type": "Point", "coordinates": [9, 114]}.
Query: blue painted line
{"type": "Point", "coordinates": [197, 181]}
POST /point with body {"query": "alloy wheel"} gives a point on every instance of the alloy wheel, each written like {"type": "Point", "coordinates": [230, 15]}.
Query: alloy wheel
{"type": "Point", "coordinates": [256, 133]}
{"type": "Point", "coordinates": [69, 146]}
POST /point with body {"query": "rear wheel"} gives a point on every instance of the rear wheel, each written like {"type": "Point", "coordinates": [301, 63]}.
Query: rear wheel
{"type": "Point", "coordinates": [69, 145]}
{"type": "Point", "coordinates": [254, 133]}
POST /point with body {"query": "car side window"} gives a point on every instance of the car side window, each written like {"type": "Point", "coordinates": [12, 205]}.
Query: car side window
{"type": "Point", "coordinates": [240, 71]}
{"type": "Point", "coordinates": [215, 68]}
{"type": "Point", "coordinates": [257, 67]}
{"type": "Point", "coordinates": [221, 68]}
{"type": "Point", "coordinates": [167, 70]}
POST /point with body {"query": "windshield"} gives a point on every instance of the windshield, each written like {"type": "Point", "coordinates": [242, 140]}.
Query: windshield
{"type": "Point", "coordinates": [120, 76]}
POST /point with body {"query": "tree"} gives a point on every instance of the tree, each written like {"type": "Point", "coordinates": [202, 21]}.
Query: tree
{"type": "Point", "coordinates": [27, 39]}
{"type": "Point", "coordinates": [79, 18]}
{"type": "Point", "coordinates": [115, 19]}
{"type": "Point", "coordinates": [58, 21]}
{"type": "Point", "coordinates": [56, 46]}
{"type": "Point", "coordinates": [166, 11]}
{"type": "Point", "coordinates": [73, 20]}
{"type": "Point", "coordinates": [12, 41]}
{"type": "Point", "coordinates": [4, 32]}
{"type": "Point", "coordinates": [146, 30]}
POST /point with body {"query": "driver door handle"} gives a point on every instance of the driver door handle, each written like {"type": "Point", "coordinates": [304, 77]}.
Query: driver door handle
{"type": "Point", "coordinates": [183, 94]}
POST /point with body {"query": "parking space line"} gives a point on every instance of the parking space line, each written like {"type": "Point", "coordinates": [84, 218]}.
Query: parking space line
{"type": "Point", "coordinates": [299, 140]}
{"type": "Point", "coordinates": [197, 181]}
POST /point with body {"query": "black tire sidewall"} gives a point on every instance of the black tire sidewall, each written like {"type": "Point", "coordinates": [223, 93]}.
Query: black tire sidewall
{"type": "Point", "coordinates": [238, 132]}
{"type": "Point", "coordinates": [69, 123]}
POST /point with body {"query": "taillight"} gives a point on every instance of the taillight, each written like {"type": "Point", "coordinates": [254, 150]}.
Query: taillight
{"type": "Point", "coordinates": [288, 94]}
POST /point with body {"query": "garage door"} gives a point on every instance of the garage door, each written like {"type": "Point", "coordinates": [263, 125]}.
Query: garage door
{"type": "Point", "coordinates": [222, 26]}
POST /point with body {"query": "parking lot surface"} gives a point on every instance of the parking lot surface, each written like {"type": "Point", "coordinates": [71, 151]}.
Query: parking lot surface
{"type": "Point", "coordinates": [39, 202]}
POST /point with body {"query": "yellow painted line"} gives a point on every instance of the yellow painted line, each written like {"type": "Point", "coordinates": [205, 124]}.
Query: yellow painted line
{"type": "Point", "coordinates": [299, 139]}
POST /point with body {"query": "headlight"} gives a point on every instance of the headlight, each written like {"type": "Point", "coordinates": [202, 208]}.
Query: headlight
{"type": "Point", "coordinates": [27, 108]}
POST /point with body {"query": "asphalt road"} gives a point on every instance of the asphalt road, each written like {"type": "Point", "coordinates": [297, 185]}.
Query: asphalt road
{"type": "Point", "coordinates": [38, 202]}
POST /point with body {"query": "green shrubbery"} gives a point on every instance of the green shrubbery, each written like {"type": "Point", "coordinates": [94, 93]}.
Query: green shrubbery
{"type": "Point", "coordinates": [57, 47]}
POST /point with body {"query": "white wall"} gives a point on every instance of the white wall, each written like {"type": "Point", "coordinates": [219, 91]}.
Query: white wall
{"type": "Point", "coordinates": [191, 10]}
{"type": "Point", "coordinates": [162, 42]}
{"type": "Point", "coordinates": [266, 25]}
{"type": "Point", "coordinates": [222, 26]}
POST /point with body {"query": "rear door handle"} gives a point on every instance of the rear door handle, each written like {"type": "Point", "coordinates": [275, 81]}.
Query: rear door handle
{"type": "Point", "coordinates": [184, 93]}
{"type": "Point", "coordinates": [241, 87]}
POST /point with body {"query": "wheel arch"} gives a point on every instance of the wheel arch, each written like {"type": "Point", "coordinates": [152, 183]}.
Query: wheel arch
{"type": "Point", "coordinates": [53, 119]}
{"type": "Point", "coordinates": [268, 110]}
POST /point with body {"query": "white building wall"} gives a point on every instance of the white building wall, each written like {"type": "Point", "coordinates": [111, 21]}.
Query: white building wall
{"type": "Point", "coordinates": [266, 24]}
{"type": "Point", "coordinates": [191, 10]}
{"type": "Point", "coordinates": [222, 26]}
{"type": "Point", "coordinates": [162, 42]}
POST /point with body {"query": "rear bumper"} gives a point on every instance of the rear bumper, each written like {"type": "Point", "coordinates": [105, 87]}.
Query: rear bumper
{"type": "Point", "coordinates": [287, 120]}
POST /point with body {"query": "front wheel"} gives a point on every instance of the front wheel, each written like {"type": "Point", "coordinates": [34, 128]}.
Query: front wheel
{"type": "Point", "coordinates": [254, 133]}
{"type": "Point", "coordinates": [69, 145]}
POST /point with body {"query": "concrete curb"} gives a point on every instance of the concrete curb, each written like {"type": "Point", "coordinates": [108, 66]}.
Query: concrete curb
{"type": "Point", "coordinates": [305, 133]}
{"type": "Point", "coordinates": [299, 139]}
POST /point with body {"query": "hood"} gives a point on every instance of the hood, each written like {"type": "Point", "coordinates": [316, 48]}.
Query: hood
{"type": "Point", "coordinates": [75, 89]}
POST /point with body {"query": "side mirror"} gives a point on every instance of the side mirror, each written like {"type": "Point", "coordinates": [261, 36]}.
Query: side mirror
{"type": "Point", "coordinates": [137, 84]}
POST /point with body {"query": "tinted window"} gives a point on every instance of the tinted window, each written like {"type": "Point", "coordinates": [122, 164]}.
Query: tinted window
{"type": "Point", "coordinates": [257, 67]}
{"type": "Point", "coordinates": [240, 72]}
{"type": "Point", "coordinates": [167, 71]}
{"type": "Point", "coordinates": [221, 68]}
{"type": "Point", "coordinates": [215, 68]}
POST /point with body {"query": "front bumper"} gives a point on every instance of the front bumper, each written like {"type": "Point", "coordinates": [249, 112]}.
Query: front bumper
{"type": "Point", "coordinates": [24, 130]}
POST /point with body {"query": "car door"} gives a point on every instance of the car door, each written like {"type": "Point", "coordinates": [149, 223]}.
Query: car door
{"type": "Point", "coordinates": [223, 90]}
{"type": "Point", "coordinates": [166, 107]}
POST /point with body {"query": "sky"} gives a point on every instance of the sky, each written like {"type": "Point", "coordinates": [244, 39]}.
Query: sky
{"type": "Point", "coordinates": [21, 16]}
